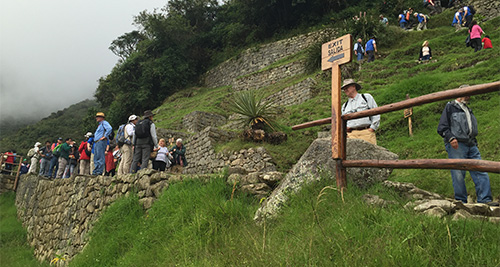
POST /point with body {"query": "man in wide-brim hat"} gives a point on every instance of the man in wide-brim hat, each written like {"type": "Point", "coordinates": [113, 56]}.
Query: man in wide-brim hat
{"type": "Point", "coordinates": [144, 140]}
{"type": "Point", "coordinates": [362, 128]}
{"type": "Point", "coordinates": [101, 138]}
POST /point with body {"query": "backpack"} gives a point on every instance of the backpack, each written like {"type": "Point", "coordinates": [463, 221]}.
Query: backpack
{"type": "Point", "coordinates": [111, 135]}
{"type": "Point", "coordinates": [57, 150]}
{"type": "Point", "coordinates": [31, 152]}
{"type": "Point", "coordinates": [363, 96]}
{"type": "Point", "coordinates": [142, 128]}
{"type": "Point", "coordinates": [120, 136]}
{"type": "Point", "coordinates": [472, 11]}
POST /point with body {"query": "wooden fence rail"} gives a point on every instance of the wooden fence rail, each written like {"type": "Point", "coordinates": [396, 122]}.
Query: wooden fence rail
{"type": "Point", "coordinates": [459, 164]}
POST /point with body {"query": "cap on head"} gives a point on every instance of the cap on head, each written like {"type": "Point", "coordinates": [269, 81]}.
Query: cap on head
{"type": "Point", "coordinates": [100, 114]}
{"type": "Point", "coordinates": [132, 118]}
{"type": "Point", "coordinates": [38, 144]}
{"type": "Point", "coordinates": [89, 134]}
{"type": "Point", "coordinates": [60, 138]}
{"type": "Point", "coordinates": [148, 113]}
{"type": "Point", "coordinates": [348, 82]}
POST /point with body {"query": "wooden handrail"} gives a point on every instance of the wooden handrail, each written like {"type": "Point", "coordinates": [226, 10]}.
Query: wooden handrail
{"type": "Point", "coordinates": [412, 102]}
{"type": "Point", "coordinates": [456, 164]}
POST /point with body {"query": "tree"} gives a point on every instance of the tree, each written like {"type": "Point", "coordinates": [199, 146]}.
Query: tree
{"type": "Point", "coordinates": [126, 44]}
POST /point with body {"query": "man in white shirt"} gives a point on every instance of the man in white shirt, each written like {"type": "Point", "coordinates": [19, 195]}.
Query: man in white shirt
{"type": "Point", "coordinates": [362, 128]}
{"type": "Point", "coordinates": [126, 149]}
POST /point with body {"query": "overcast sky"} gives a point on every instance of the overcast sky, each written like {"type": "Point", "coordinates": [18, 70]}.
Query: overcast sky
{"type": "Point", "coordinates": [53, 52]}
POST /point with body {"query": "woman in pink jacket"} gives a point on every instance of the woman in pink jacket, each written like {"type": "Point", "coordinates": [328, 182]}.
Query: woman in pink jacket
{"type": "Point", "coordinates": [475, 35]}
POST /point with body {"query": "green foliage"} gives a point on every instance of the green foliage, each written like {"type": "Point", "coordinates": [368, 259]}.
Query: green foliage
{"type": "Point", "coordinates": [14, 249]}
{"type": "Point", "coordinates": [254, 109]}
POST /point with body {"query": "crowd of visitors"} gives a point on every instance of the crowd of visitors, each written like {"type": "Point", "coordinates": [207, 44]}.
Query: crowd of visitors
{"type": "Point", "coordinates": [135, 147]}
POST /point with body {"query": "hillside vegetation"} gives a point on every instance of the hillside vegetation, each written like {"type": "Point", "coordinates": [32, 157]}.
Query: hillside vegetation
{"type": "Point", "coordinates": [197, 223]}
{"type": "Point", "coordinates": [69, 122]}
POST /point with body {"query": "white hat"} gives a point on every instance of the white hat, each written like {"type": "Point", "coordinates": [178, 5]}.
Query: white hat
{"type": "Point", "coordinates": [89, 134]}
{"type": "Point", "coordinates": [38, 144]}
{"type": "Point", "coordinates": [132, 118]}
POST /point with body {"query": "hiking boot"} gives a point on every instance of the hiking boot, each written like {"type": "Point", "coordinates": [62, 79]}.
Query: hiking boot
{"type": "Point", "coordinates": [493, 204]}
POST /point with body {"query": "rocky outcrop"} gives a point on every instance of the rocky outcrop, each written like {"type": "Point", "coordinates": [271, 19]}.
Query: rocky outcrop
{"type": "Point", "coordinates": [254, 59]}
{"type": "Point", "coordinates": [316, 161]}
{"type": "Point", "coordinates": [58, 214]}
{"type": "Point", "coordinates": [433, 204]}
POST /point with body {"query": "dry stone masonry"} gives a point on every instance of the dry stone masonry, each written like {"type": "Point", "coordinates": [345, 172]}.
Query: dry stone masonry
{"type": "Point", "coordinates": [254, 59]}
{"type": "Point", "coordinates": [6, 183]}
{"type": "Point", "coordinates": [196, 121]}
{"type": "Point", "coordinates": [295, 94]}
{"type": "Point", "coordinates": [268, 77]}
{"type": "Point", "coordinates": [58, 214]}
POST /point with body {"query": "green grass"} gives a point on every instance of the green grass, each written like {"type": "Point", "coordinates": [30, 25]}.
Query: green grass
{"type": "Point", "coordinates": [14, 248]}
{"type": "Point", "coordinates": [196, 223]}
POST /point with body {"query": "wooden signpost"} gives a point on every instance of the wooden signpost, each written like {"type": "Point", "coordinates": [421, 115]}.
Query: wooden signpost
{"type": "Point", "coordinates": [334, 54]}
{"type": "Point", "coordinates": [408, 112]}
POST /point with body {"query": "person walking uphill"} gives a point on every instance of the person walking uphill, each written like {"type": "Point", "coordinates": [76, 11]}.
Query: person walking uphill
{"type": "Point", "coordinates": [358, 50]}
{"type": "Point", "coordinates": [475, 32]}
{"type": "Point", "coordinates": [458, 127]}
{"type": "Point", "coordinates": [101, 138]}
{"type": "Point", "coordinates": [144, 139]}
{"type": "Point", "coordinates": [362, 128]}
{"type": "Point", "coordinates": [371, 49]}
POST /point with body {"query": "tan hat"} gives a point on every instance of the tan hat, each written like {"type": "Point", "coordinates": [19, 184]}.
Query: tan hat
{"type": "Point", "coordinates": [348, 82]}
{"type": "Point", "coordinates": [100, 114]}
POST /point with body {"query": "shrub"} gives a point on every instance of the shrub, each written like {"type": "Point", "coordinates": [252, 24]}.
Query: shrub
{"type": "Point", "coordinates": [255, 111]}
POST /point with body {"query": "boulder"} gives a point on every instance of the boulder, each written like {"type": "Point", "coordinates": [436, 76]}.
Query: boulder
{"type": "Point", "coordinates": [271, 178]}
{"type": "Point", "coordinates": [317, 160]}
{"type": "Point", "coordinates": [259, 190]}
{"type": "Point", "coordinates": [436, 212]}
{"type": "Point", "coordinates": [376, 200]}
{"type": "Point", "coordinates": [446, 205]}
{"type": "Point", "coordinates": [461, 215]}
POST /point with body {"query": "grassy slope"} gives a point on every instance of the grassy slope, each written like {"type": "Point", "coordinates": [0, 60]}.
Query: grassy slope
{"type": "Point", "coordinates": [14, 251]}
{"type": "Point", "coordinates": [196, 224]}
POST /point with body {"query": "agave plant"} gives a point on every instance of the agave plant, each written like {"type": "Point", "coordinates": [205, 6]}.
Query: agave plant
{"type": "Point", "coordinates": [254, 110]}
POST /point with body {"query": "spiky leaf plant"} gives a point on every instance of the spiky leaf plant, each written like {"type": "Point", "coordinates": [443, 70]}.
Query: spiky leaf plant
{"type": "Point", "coordinates": [254, 110]}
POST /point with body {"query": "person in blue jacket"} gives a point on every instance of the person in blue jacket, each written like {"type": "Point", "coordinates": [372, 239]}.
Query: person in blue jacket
{"type": "Point", "coordinates": [458, 19]}
{"type": "Point", "coordinates": [371, 49]}
{"type": "Point", "coordinates": [402, 21]}
{"type": "Point", "coordinates": [101, 138]}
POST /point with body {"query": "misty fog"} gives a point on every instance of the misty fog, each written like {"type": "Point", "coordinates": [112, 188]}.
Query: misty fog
{"type": "Point", "coordinates": [53, 52]}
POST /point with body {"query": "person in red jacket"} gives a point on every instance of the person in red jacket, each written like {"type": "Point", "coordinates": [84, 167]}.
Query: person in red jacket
{"type": "Point", "coordinates": [85, 156]}
{"type": "Point", "coordinates": [487, 42]}
{"type": "Point", "coordinates": [110, 162]}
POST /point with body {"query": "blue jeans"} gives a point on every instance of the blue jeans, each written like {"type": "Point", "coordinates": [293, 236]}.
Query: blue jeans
{"type": "Point", "coordinates": [402, 25]}
{"type": "Point", "coordinates": [426, 57]}
{"type": "Point", "coordinates": [360, 56]}
{"type": "Point", "coordinates": [481, 179]}
{"type": "Point", "coordinates": [99, 160]}
{"type": "Point", "coordinates": [54, 163]}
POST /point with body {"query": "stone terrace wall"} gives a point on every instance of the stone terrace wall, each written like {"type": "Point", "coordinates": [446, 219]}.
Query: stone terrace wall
{"type": "Point", "coordinates": [268, 77]}
{"type": "Point", "coordinates": [198, 120]}
{"type": "Point", "coordinates": [58, 214]}
{"type": "Point", "coordinates": [488, 8]}
{"type": "Point", "coordinates": [254, 59]}
{"type": "Point", "coordinates": [6, 183]}
{"type": "Point", "coordinates": [295, 94]}
{"type": "Point", "coordinates": [201, 156]}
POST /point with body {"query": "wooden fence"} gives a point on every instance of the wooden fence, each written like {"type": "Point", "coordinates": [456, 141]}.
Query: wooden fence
{"type": "Point", "coordinates": [461, 164]}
